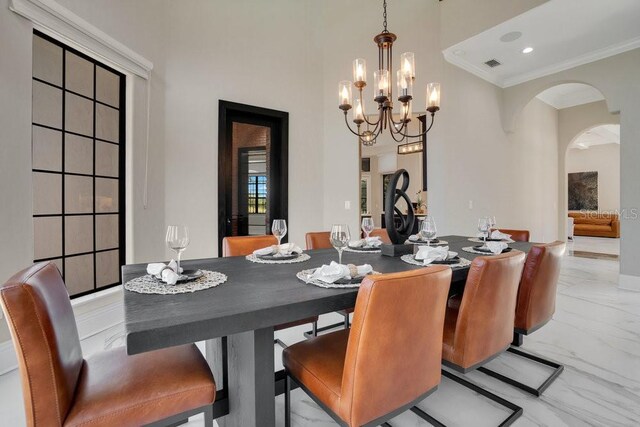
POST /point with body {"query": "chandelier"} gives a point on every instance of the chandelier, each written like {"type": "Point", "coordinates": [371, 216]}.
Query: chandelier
{"type": "Point", "coordinates": [383, 93]}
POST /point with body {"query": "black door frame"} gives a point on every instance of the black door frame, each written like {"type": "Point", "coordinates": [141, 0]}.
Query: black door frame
{"type": "Point", "coordinates": [278, 121]}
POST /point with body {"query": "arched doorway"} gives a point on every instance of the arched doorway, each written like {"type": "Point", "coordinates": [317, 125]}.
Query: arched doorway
{"type": "Point", "coordinates": [592, 189]}
{"type": "Point", "coordinates": [578, 107]}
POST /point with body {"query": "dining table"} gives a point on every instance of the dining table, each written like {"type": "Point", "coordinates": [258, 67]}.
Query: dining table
{"type": "Point", "coordinates": [236, 320]}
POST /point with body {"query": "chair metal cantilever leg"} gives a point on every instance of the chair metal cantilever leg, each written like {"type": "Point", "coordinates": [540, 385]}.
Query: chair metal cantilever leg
{"type": "Point", "coordinates": [557, 370]}
{"type": "Point", "coordinates": [516, 411]}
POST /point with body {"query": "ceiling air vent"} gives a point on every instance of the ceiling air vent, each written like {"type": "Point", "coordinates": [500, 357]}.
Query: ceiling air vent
{"type": "Point", "coordinates": [493, 63]}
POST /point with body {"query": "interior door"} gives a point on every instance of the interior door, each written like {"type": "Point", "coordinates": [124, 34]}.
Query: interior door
{"type": "Point", "coordinates": [252, 169]}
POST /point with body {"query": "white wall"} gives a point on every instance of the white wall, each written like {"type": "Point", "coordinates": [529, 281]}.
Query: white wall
{"type": "Point", "coordinates": [604, 159]}
{"type": "Point", "coordinates": [16, 250]}
{"type": "Point", "coordinates": [617, 78]}
{"type": "Point", "coordinates": [534, 162]}
{"type": "Point", "coordinates": [253, 52]}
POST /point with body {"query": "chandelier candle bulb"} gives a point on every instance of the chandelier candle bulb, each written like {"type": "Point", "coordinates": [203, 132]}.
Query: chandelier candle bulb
{"type": "Point", "coordinates": [405, 86]}
{"type": "Point", "coordinates": [344, 94]}
{"type": "Point", "coordinates": [433, 97]}
{"type": "Point", "coordinates": [381, 78]}
{"type": "Point", "coordinates": [358, 112]}
{"type": "Point", "coordinates": [360, 73]}
{"type": "Point", "coordinates": [408, 65]}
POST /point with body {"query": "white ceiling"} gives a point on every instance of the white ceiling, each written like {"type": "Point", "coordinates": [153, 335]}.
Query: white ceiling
{"type": "Point", "coordinates": [600, 135]}
{"type": "Point", "coordinates": [563, 34]}
{"type": "Point", "coordinates": [569, 95]}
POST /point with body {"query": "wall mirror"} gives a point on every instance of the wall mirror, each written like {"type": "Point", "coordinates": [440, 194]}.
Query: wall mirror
{"type": "Point", "coordinates": [380, 160]}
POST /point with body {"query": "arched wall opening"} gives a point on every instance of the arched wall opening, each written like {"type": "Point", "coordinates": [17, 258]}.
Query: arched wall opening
{"type": "Point", "coordinates": [592, 184]}
{"type": "Point", "coordinates": [617, 78]}
{"type": "Point", "coordinates": [578, 107]}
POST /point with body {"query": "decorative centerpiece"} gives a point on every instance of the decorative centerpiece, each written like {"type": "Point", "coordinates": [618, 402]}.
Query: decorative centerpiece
{"type": "Point", "coordinates": [421, 206]}
{"type": "Point", "coordinates": [398, 233]}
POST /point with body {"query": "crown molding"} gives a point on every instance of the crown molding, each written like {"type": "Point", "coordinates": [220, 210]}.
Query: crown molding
{"type": "Point", "coordinates": [50, 17]}
{"type": "Point", "coordinates": [587, 58]}
{"type": "Point", "coordinates": [459, 62]}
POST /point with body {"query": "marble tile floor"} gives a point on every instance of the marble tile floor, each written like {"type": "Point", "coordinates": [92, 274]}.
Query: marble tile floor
{"type": "Point", "coordinates": [595, 333]}
{"type": "Point", "coordinates": [601, 245]}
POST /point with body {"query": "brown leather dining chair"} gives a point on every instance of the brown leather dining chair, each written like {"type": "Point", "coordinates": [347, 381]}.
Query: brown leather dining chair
{"type": "Point", "coordinates": [318, 240]}
{"type": "Point", "coordinates": [517, 235]}
{"type": "Point", "coordinates": [380, 367]}
{"type": "Point", "coordinates": [245, 245]}
{"type": "Point", "coordinates": [321, 240]}
{"type": "Point", "coordinates": [481, 328]}
{"type": "Point", "coordinates": [61, 388]}
{"type": "Point", "coordinates": [535, 306]}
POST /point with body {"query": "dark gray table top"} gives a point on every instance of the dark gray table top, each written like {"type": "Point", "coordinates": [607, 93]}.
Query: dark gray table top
{"type": "Point", "coordinates": [255, 296]}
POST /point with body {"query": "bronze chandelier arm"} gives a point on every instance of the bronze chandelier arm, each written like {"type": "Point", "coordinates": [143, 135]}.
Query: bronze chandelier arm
{"type": "Point", "coordinates": [397, 131]}
{"type": "Point", "coordinates": [403, 121]}
{"type": "Point", "coordinates": [421, 134]}
{"type": "Point", "coordinates": [376, 130]}
{"type": "Point", "coordinates": [365, 116]}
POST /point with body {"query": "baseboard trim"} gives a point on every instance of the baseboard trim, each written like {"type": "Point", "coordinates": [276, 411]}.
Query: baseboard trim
{"type": "Point", "coordinates": [629, 283]}
{"type": "Point", "coordinates": [92, 317]}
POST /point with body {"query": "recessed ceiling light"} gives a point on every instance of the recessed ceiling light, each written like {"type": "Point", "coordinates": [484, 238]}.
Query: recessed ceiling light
{"type": "Point", "coordinates": [527, 50]}
{"type": "Point", "coordinates": [512, 36]}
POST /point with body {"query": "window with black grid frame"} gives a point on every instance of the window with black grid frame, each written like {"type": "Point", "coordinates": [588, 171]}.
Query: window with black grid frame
{"type": "Point", "coordinates": [257, 194]}
{"type": "Point", "coordinates": [78, 138]}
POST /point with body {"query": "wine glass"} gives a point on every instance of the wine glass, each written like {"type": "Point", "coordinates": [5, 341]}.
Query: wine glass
{"type": "Point", "coordinates": [484, 227]}
{"type": "Point", "coordinates": [279, 230]}
{"type": "Point", "coordinates": [427, 229]}
{"type": "Point", "coordinates": [367, 226]}
{"type": "Point", "coordinates": [177, 240]}
{"type": "Point", "coordinates": [492, 224]}
{"type": "Point", "coordinates": [340, 237]}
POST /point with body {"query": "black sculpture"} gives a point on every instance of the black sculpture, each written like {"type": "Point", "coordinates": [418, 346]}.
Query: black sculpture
{"type": "Point", "coordinates": [398, 234]}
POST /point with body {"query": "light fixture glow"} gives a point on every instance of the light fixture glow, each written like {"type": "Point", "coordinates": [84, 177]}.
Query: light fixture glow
{"type": "Point", "coordinates": [527, 50]}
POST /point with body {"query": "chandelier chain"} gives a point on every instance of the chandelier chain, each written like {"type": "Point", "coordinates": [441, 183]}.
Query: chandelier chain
{"type": "Point", "coordinates": [384, 16]}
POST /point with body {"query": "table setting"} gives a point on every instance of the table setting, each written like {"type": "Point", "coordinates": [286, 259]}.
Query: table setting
{"type": "Point", "coordinates": [170, 278]}
{"type": "Point", "coordinates": [282, 253]}
{"type": "Point", "coordinates": [426, 234]}
{"type": "Point", "coordinates": [367, 244]}
{"type": "Point", "coordinates": [435, 255]}
{"type": "Point", "coordinates": [337, 274]}
{"type": "Point", "coordinates": [493, 242]}
{"type": "Point", "coordinates": [491, 235]}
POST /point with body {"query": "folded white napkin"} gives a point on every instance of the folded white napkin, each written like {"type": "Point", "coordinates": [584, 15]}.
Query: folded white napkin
{"type": "Point", "coordinates": [284, 250]}
{"type": "Point", "coordinates": [334, 271]}
{"type": "Point", "coordinates": [428, 254]}
{"type": "Point", "coordinates": [497, 234]}
{"type": "Point", "coordinates": [417, 238]}
{"type": "Point", "coordinates": [496, 247]}
{"type": "Point", "coordinates": [165, 272]}
{"type": "Point", "coordinates": [370, 242]}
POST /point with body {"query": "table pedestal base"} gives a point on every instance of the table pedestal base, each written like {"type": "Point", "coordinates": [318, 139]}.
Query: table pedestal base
{"type": "Point", "coordinates": [250, 370]}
